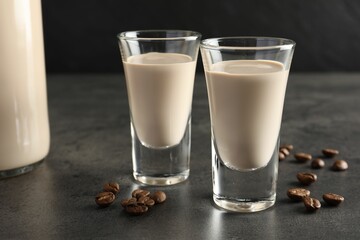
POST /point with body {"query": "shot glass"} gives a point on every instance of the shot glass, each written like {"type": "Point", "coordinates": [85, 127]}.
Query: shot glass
{"type": "Point", "coordinates": [160, 71]}
{"type": "Point", "coordinates": [246, 81]}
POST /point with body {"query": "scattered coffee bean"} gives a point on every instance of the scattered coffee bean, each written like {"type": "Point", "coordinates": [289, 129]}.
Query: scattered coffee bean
{"type": "Point", "coordinates": [144, 193]}
{"type": "Point", "coordinates": [132, 201]}
{"type": "Point", "coordinates": [124, 202]}
{"type": "Point", "coordinates": [128, 201]}
{"type": "Point", "coordinates": [159, 197]}
{"type": "Point", "coordinates": [138, 204]}
{"type": "Point", "coordinates": [297, 194]}
{"type": "Point", "coordinates": [281, 156]}
{"type": "Point", "coordinates": [306, 178]}
{"type": "Point", "coordinates": [147, 202]}
{"type": "Point", "coordinates": [285, 151]}
{"type": "Point", "coordinates": [328, 152]}
{"type": "Point", "coordinates": [112, 187]}
{"type": "Point", "coordinates": [311, 204]}
{"type": "Point", "coordinates": [340, 165]}
{"type": "Point", "coordinates": [150, 202]}
{"type": "Point", "coordinates": [333, 199]}
{"type": "Point", "coordinates": [142, 201]}
{"type": "Point", "coordinates": [289, 147]}
{"type": "Point", "coordinates": [104, 199]}
{"type": "Point", "coordinates": [317, 163]}
{"type": "Point", "coordinates": [302, 157]}
{"type": "Point", "coordinates": [137, 193]}
{"type": "Point", "coordinates": [136, 209]}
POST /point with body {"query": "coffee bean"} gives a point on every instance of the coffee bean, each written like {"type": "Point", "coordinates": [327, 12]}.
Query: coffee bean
{"type": "Point", "coordinates": [136, 209]}
{"type": "Point", "coordinates": [112, 187]}
{"type": "Point", "coordinates": [137, 193]}
{"type": "Point", "coordinates": [289, 147]}
{"type": "Point", "coordinates": [284, 151]}
{"type": "Point", "coordinates": [333, 199]}
{"type": "Point", "coordinates": [132, 201]}
{"type": "Point", "coordinates": [124, 202]}
{"type": "Point", "coordinates": [159, 197]}
{"type": "Point", "coordinates": [104, 199]}
{"type": "Point", "coordinates": [328, 152]}
{"type": "Point", "coordinates": [150, 202]}
{"type": "Point", "coordinates": [143, 199]}
{"type": "Point", "coordinates": [306, 178]}
{"type": "Point", "coordinates": [281, 156]}
{"type": "Point", "coordinates": [128, 201]}
{"type": "Point", "coordinates": [302, 157]}
{"type": "Point", "coordinates": [311, 204]}
{"type": "Point", "coordinates": [144, 193]}
{"type": "Point", "coordinates": [340, 165]}
{"type": "Point", "coordinates": [317, 163]}
{"type": "Point", "coordinates": [297, 194]}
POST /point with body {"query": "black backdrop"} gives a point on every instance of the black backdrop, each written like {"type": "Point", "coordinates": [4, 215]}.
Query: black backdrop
{"type": "Point", "coordinates": [80, 35]}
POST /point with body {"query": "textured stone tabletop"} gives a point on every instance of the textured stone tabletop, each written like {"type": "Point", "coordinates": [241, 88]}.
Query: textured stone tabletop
{"type": "Point", "coordinates": [90, 145]}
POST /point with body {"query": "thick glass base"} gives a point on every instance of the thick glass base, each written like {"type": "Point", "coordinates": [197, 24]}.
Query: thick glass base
{"type": "Point", "coordinates": [162, 180]}
{"type": "Point", "coordinates": [18, 171]}
{"type": "Point", "coordinates": [243, 205]}
{"type": "Point", "coordinates": [165, 166]}
{"type": "Point", "coordinates": [244, 191]}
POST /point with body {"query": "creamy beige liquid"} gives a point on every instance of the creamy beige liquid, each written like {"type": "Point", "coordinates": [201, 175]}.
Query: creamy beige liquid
{"type": "Point", "coordinates": [24, 129]}
{"type": "Point", "coordinates": [246, 103]}
{"type": "Point", "coordinates": [160, 89]}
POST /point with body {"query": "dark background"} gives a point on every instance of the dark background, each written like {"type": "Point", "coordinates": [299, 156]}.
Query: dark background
{"type": "Point", "coordinates": [80, 35]}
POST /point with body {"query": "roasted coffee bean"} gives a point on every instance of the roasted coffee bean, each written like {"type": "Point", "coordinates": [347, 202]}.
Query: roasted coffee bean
{"type": "Point", "coordinates": [285, 151]}
{"type": "Point", "coordinates": [317, 163]}
{"type": "Point", "coordinates": [124, 202]}
{"type": "Point", "coordinates": [104, 199]}
{"type": "Point", "coordinates": [132, 201]}
{"type": "Point", "coordinates": [150, 202]}
{"type": "Point", "coordinates": [136, 209]}
{"type": "Point", "coordinates": [144, 193]}
{"type": "Point", "coordinates": [159, 197]}
{"type": "Point", "coordinates": [128, 201]}
{"type": "Point", "coordinates": [112, 187]}
{"type": "Point", "coordinates": [302, 157]}
{"type": "Point", "coordinates": [328, 152]}
{"type": "Point", "coordinates": [139, 193]}
{"type": "Point", "coordinates": [297, 194]}
{"type": "Point", "coordinates": [143, 199]}
{"type": "Point", "coordinates": [333, 199]}
{"type": "Point", "coordinates": [281, 156]}
{"type": "Point", "coordinates": [340, 165]}
{"type": "Point", "coordinates": [311, 204]}
{"type": "Point", "coordinates": [135, 192]}
{"type": "Point", "coordinates": [306, 178]}
{"type": "Point", "coordinates": [289, 147]}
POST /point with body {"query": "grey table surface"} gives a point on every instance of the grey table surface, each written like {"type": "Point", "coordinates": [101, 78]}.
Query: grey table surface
{"type": "Point", "coordinates": [90, 145]}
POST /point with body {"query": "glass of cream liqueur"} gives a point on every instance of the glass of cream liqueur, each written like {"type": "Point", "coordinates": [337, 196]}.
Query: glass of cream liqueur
{"type": "Point", "coordinates": [246, 82]}
{"type": "Point", "coordinates": [160, 70]}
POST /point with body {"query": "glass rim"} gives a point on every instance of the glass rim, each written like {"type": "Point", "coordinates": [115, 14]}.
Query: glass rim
{"type": "Point", "coordinates": [283, 43]}
{"type": "Point", "coordinates": [183, 35]}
